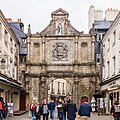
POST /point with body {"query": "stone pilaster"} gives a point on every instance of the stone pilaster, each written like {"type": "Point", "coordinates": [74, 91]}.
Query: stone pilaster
{"type": "Point", "coordinates": [93, 49]}
{"type": "Point", "coordinates": [43, 49]}
{"type": "Point", "coordinates": [43, 89]}
{"type": "Point", "coordinates": [28, 47]}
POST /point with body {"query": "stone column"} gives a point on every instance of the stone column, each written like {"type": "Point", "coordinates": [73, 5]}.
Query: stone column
{"type": "Point", "coordinates": [42, 89]}
{"type": "Point", "coordinates": [76, 48]}
{"type": "Point", "coordinates": [76, 90]}
{"type": "Point", "coordinates": [28, 47]}
{"type": "Point", "coordinates": [93, 49]}
{"type": "Point", "coordinates": [43, 49]}
{"type": "Point", "coordinates": [31, 52]}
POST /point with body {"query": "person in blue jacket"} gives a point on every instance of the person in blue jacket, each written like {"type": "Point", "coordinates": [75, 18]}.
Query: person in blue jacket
{"type": "Point", "coordinates": [52, 109]}
{"type": "Point", "coordinates": [71, 110]}
{"type": "Point", "coordinates": [85, 110]}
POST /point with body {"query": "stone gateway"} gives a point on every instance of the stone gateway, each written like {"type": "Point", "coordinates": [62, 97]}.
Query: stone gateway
{"type": "Point", "coordinates": [60, 51]}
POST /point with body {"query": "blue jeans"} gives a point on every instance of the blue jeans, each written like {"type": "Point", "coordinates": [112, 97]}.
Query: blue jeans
{"type": "Point", "coordinates": [60, 115]}
{"type": "Point", "coordinates": [52, 114]}
{"type": "Point", "coordinates": [33, 115]}
{"type": "Point", "coordinates": [0, 114]}
{"type": "Point", "coordinates": [116, 118]}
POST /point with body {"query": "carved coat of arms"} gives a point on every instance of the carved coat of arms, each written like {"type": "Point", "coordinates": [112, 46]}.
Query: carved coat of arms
{"type": "Point", "coordinates": [60, 52]}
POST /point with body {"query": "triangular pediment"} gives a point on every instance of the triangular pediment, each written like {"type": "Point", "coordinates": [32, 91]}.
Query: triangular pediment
{"type": "Point", "coordinates": [60, 25]}
{"type": "Point", "coordinates": [60, 11]}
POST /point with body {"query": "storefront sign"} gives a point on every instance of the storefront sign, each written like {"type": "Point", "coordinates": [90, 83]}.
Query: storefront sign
{"type": "Point", "coordinates": [113, 85]}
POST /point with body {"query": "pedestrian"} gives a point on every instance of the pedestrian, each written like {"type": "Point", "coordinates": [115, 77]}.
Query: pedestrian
{"type": "Point", "coordinates": [71, 110]}
{"type": "Point", "coordinates": [45, 110]}
{"type": "Point", "coordinates": [85, 110]}
{"type": "Point", "coordinates": [65, 109]}
{"type": "Point", "coordinates": [38, 112]}
{"type": "Point", "coordinates": [60, 108]}
{"type": "Point", "coordinates": [52, 109]}
{"type": "Point", "coordinates": [1, 108]}
{"type": "Point", "coordinates": [115, 110]}
{"type": "Point", "coordinates": [33, 109]}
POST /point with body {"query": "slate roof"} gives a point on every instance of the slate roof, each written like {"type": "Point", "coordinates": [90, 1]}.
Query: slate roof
{"type": "Point", "coordinates": [102, 24]}
{"type": "Point", "coordinates": [16, 28]}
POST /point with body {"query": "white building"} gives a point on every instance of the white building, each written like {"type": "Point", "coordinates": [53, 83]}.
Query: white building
{"type": "Point", "coordinates": [110, 85]}
{"type": "Point", "coordinates": [9, 59]}
{"type": "Point", "coordinates": [59, 88]}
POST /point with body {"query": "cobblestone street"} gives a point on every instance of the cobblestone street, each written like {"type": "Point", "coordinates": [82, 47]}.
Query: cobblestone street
{"type": "Point", "coordinates": [93, 117]}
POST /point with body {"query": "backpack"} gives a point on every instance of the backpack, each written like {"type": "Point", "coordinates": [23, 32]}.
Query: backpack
{"type": "Point", "coordinates": [32, 107]}
{"type": "Point", "coordinates": [1, 106]}
{"type": "Point", "coordinates": [117, 108]}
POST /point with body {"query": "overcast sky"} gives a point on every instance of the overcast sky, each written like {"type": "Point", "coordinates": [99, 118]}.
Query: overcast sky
{"type": "Point", "coordinates": [38, 12]}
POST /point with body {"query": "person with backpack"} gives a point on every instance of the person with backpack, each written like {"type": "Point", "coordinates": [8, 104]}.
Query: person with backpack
{"type": "Point", "coordinates": [71, 110]}
{"type": "Point", "coordinates": [1, 108]}
{"type": "Point", "coordinates": [52, 109]}
{"type": "Point", "coordinates": [85, 111]}
{"type": "Point", "coordinates": [33, 109]}
{"type": "Point", "coordinates": [115, 110]}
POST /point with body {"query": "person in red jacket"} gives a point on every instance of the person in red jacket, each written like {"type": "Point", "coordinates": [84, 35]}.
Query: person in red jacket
{"type": "Point", "coordinates": [115, 110]}
{"type": "Point", "coordinates": [1, 108]}
{"type": "Point", "coordinates": [33, 109]}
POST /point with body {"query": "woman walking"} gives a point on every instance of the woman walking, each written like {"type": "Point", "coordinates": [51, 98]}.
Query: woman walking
{"type": "Point", "coordinates": [44, 109]}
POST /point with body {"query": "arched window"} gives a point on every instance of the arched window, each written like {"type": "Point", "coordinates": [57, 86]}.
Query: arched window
{"type": "Point", "coordinates": [84, 51]}
{"type": "Point", "coordinates": [36, 52]}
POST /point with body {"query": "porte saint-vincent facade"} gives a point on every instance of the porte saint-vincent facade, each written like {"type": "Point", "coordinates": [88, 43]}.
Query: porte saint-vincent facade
{"type": "Point", "coordinates": [60, 52]}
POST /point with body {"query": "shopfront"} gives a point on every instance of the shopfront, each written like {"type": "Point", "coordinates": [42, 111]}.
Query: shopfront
{"type": "Point", "coordinates": [10, 92]}
{"type": "Point", "coordinates": [111, 92]}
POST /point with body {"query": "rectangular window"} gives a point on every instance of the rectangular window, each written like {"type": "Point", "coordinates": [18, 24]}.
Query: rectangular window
{"type": "Point", "coordinates": [63, 88]}
{"type": "Point", "coordinates": [108, 69]}
{"type": "Point", "coordinates": [99, 37]}
{"type": "Point", "coordinates": [6, 38]}
{"type": "Point", "coordinates": [98, 58]}
{"type": "Point", "coordinates": [114, 65]}
{"type": "Point", "coordinates": [58, 87]}
{"type": "Point", "coordinates": [114, 37]}
{"type": "Point", "coordinates": [52, 87]}
{"type": "Point", "coordinates": [108, 45]}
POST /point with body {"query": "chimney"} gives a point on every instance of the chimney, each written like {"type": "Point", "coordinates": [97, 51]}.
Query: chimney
{"type": "Point", "coordinates": [19, 20]}
{"type": "Point", "coordinates": [9, 19]}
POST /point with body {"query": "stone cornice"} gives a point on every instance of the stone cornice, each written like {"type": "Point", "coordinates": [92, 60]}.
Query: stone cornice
{"type": "Point", "coordinates": [60, 74]}
{"type": "Point", "coordinates": [110, 80]}
{"type": "Point", "coordinates": [36, 64]}
{"type": "Point", "coordinates": [59, 64]}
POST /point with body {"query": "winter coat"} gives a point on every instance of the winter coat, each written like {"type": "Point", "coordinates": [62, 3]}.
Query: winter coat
{"type": "Point", "coordinates": [51, 106]}
{"type": "Point", "coordinates": [71, 109]}
{"type": "Point", "coordinates": [115, 114]}
{"type": "Point", "coordinates": [60, 107]}
{"type": "Point", "coordinates": [42, 109]}
{"type": "Point", "coordinates": [85, 110]}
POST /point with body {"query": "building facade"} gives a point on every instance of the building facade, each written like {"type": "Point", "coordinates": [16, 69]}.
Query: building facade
{"type": "Point", "coordinates": [110, 85]}
{"type": "Point", "coordinates": [9, 62]}
{"type": "Point", "coordinates": [60, 52]}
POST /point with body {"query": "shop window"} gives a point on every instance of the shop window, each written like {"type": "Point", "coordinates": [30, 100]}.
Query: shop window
{"type": "Point", "coordinates": [114, 96]}
{"type": "Point", "coordinates": [118, 96]}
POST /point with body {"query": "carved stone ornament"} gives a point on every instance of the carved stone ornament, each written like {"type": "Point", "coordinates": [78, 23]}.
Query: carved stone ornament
{"type": "Point", "coordinates": [60, 52]}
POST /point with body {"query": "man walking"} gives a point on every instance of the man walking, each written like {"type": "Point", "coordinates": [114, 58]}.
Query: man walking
{"type": "Point", "coordinates": [52, 109]}
{"type": "Point", "coordinates": [71, 110]}
{"type": "Point", "coordinates": [115, 109]}
{"type": "Point", "coordinates": [85, 110]}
